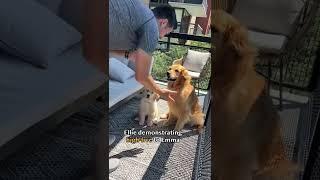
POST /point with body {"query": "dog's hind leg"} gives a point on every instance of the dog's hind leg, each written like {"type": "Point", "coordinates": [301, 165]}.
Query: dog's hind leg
{"type": "Point", "coordinates": [169, 121]}
{"type": "Point", "coordinates": [151, 118]}
{"type": "Point", "coordinates": [198, 121]}
{"type": "Point", "coordinates": [235, 170]}
{"type": "Point", "coordinates": [181, 122]}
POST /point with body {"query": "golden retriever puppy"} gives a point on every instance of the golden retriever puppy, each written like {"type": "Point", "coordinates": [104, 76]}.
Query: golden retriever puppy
{"type": "Point", "coordinates": [186, 108]}
{"type": "Point", "coordinates": [247, 137]}
{"type": "Point", "coordinates": [148, 110]}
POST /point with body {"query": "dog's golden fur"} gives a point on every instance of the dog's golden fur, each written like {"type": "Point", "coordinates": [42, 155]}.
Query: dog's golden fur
{"type": "Point", "coordinates": [186, 108]}
{"type": "Point", "coordinates": [247, 137]}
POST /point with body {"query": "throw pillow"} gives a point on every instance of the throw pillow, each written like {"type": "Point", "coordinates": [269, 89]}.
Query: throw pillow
{"type": "Point", "coordinates": [119, 71]}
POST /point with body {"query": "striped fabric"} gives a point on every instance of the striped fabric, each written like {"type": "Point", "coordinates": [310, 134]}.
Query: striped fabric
{"type": "Point", "coordinates": [132, 25]}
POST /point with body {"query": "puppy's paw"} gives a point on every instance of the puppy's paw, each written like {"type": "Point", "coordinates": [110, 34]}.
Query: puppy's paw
{"type": "Point", "coordinates": [164, 116]}
{"type": "Point", "coordinates": [160, 123]}
{"type": "Point", "coordinates": [141, 123]}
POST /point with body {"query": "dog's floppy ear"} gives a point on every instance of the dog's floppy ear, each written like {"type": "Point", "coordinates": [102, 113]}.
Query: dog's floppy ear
{"type": "Point", "coordinates": [185, 74]}
{"type": "Point", "coordinates": [236, 37]}
{"type": "Point", "coordinates": [177, 61]}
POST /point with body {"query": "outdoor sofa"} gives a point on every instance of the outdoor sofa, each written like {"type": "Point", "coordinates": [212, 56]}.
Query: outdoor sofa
{"type": "Point", "coordinates": [122, 83]}
{"type": "Point", "coordinates": [44, 78]}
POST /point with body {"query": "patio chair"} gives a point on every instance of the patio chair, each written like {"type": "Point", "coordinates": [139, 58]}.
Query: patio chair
{"type": "Point", "coordinates": [194, 62]}
{"type": "Point", "coordinates": [276, 27]}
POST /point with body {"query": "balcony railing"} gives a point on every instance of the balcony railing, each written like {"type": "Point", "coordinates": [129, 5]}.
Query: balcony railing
{"type": "Point", "coordinates": [172, 49]}
{"type": "Point", "coordinates": [188, 1]}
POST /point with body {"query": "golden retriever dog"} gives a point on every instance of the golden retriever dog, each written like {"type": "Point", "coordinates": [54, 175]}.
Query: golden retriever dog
{"type": "Point", "coordinates": [247, 136]}
{"type": "Point", "coordinates": [186, 108]}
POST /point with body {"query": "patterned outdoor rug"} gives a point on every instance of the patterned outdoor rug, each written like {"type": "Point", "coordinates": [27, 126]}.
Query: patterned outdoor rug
{"type": "Point", "coordinates": [64, 153]}
{"type": "Point", "coordinates": [150, 160]}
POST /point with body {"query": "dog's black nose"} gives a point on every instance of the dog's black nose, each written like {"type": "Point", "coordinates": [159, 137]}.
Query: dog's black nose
{"type": "Point", "coordinates": [168, 74]}
{"type": "Point", "coordinates": [148, 95]}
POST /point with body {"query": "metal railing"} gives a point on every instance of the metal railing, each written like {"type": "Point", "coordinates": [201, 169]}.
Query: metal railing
{"type": "Point", "coordinates": [170, 51]}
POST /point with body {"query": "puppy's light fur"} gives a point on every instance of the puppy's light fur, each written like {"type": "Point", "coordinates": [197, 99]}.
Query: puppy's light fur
{"type": "Point", "coordinates": [247, 136]}
{"type": "Point", "coordinates": [149, 108]}
{"type": "Point", "coordinates": [186, 108]}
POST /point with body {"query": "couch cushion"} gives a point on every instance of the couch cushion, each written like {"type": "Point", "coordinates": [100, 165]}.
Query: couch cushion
{"type": "Point", "coordinates": [35, 34]}
{"type": "Point", "coordinates": [269, 43]}
{"type": "Point", "coordinates": [73, 12]}
{"type": "Point", "coordinates": [119, 91]}
{"type": "Point", "coordinates": [193, 74]}
{"type": "Point", "coordinates": [30, 94]}
{"type": "Point", "coordinates": [195, 60]}
{"type": "Point", "coordinates": [270, 16]}
{"type": "Point", "coordinates": [52, 5]}
{"type": "Point", "coordinates": [121, 59]}
{"type": "Point", "coordinates": [119, 71]}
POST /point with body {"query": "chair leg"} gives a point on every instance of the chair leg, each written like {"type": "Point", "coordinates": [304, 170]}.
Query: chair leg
{"type": "Point", "coordinates": [198, 86]}
{"type": "Point", "coordinates": [280, 83]}
{"type": "Point", "coordinates": [269, 75]}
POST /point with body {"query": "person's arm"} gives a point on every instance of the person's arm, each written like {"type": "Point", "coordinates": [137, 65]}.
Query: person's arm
{"type": "Point", "coordinates": [142, 64]}
{"type": "Point", "coordinates": [148, 35]}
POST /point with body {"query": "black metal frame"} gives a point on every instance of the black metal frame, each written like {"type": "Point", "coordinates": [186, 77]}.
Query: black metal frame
{"type": "Point", "coordinates": [187, 37]}
{"type": "Point", "coordinates": [313, 153]}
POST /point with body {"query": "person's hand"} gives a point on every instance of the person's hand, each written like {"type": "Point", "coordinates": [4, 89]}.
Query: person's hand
{"type": "Point", "coordinates": [168, 95]}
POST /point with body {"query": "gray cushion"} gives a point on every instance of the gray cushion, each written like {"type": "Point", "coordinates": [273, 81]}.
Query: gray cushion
{"type": "Point", "coordinates": [195, 60]}
{"type": "Point", "coordinates": [33, 33]}
{"type": "Point", "coordinates": [119, 91]}
{"type": "Point", "coordinates": [31, 94]}
{"type": "Point", "coordinates": [73, 12]}
{"type": "Point", "coordinates": [119, 71]}
{"type": "Point", "coordinates": [52, 5]}
{"type": "Point", "coordinates": [270, 16]}
{"type": "Point", "coordinates": [269, 43]}
{"type": "Point", "coordinates": [193, 74]}
{"type": "Point", "coordinates": [121, 59]}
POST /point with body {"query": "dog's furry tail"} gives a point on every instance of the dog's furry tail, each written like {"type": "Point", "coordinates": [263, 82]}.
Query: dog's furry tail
{"type": "Point", "coordinates": [284, 168]}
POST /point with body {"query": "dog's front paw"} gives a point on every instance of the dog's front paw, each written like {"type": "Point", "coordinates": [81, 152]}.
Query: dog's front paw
{"type": "Point", "coordinates": [177, 129]}
{"type": "Point", "coordinates": [149, 124]}
{"type": "Point", "coordinates": [179, 126]}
